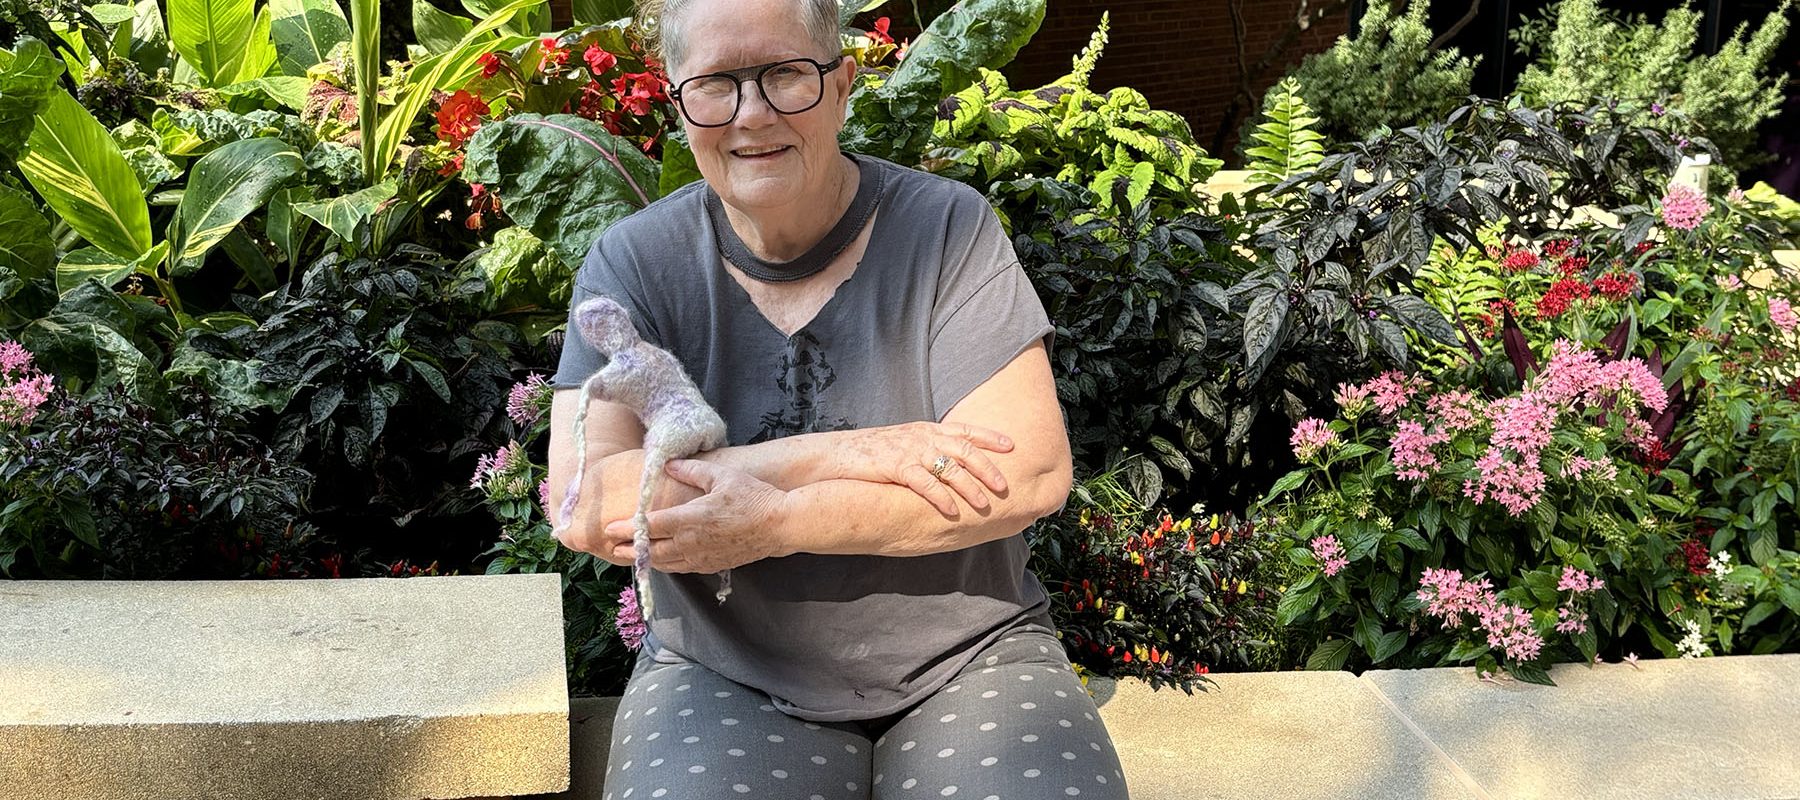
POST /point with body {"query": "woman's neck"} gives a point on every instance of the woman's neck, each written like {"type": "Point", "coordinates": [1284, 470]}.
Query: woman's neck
{"type": "Point", "coordinates": [784, 234]}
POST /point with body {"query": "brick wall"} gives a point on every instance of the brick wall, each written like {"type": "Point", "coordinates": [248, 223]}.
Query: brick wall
{"type": "Point", "coordinates": [1179, 53]}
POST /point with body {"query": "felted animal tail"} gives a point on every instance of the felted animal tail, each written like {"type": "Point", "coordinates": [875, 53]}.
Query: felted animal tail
{"type": "Point", "coordinates": [654, 461]}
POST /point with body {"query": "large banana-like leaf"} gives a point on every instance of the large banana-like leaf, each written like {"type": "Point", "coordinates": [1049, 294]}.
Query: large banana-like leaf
{"type": "Point", "coordinates": [539, 163]}
{"type": "Point", "coordinates": [436, 74]}
{"type": "Point", "coordinates": [108, 269]}
{"type": "Point", "coordinates": [259, 49]}
{"type": "Point", "coordinates": [438, 31]}
{"type": "Point", "coordinates": [26, 251]}
{"type": "Point", "coordinates": [212, 35]}
{"type": "Point", "coordinates": [305, 31]}
{"type": "Point", "coordinates": [226, 185]}
{"type": "Point", "coordinates": [342, 215]}
{"type": "Point", "coordinates": [27, 80]}
{"type": "Point", "coordinates": [531, 20]}
{"type": "Point", "coordinates": [149, 38]}
{"type": "Point", "coordinates": [77, 168]}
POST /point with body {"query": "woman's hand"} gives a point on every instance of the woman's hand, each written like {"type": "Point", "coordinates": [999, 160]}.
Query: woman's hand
{"type": "Point", "coordinates": [732, 524]}
{"type": "Point", "coordinates": [905, 454]}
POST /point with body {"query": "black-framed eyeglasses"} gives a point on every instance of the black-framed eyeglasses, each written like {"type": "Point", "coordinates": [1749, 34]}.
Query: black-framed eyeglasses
{"type": "Point", "coordinates": [790, 87]}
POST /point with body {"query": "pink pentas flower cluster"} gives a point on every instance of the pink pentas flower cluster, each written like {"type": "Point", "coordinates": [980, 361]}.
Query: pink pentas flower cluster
{"type": "Point", "coordinates": [1514, 482]}
{"type": "Point", "coordinates": [1352, 399]}
{"type": "Point", "coordinates": [1450, 597]}
{"type": "Point", "coordinates": [504, 473]}
{"type": "Point", "coordinates": [1412, 450]}
{"type": "Point", "coordinates": [1684, 206]}
{"type": "Point", "coordinates": [1580, 467]}
{"type": "Point", "coordinates": [1330, 554]}
{"type": "Point", "coordinates": [1393, 390]}
{"type": "Point", "coordinates": [1574, 580]}
{"type": "Point", "coordinates": [630, 619]}
{"type": "Point", "coordinates": [1456, 410]}
{"type": "Point", "coordinates": [1781, 313]}
{"type": "Point", "coordinates": [526, 402]}
{"type": "Point", "coordinates": [1311, 436]}
{"type": "Point", "coordinates": [23, 388]}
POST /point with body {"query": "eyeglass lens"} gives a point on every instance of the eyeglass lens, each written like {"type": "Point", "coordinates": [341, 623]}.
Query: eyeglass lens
{"type": "Point", "coordinates": [790, 87]}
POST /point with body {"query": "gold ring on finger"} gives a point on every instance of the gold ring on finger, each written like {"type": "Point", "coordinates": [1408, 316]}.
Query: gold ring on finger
{"type": "Point", "coordinates": [941, 466]}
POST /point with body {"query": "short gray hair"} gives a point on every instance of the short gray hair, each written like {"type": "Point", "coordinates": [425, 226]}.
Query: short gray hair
{"type": "Point", "coordinates": [818, 17]}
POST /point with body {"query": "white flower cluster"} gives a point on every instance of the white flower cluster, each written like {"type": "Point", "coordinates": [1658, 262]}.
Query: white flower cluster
{"type": "Point", "coordinates": [1691, 645]}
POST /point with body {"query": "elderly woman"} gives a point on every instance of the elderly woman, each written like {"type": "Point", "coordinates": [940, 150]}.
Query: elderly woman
{"type": "Point", "coordinates": [879, 357]}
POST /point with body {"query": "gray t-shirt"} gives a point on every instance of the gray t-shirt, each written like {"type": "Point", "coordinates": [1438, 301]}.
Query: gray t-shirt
{"type": "Point", "coordinates": [937, 306]}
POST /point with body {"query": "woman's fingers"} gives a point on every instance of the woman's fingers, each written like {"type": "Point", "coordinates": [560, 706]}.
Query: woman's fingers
{"type": "Point", "coordinates": [984, 438]}
{"type": "Point", "coordinates": [965, 483]}
{"type": "Point", "coordinates": [919, 479]}
{"type": "Point", "coordinates": [977, 464]}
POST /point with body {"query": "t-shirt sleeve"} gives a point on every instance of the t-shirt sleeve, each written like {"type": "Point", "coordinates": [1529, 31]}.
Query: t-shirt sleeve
{"type": "Point", "coordinates": [607, 270]}
{"type": "Point", "coordinates": [986, 314]}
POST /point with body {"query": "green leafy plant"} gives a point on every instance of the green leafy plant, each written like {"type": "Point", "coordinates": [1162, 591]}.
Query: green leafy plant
{"type": "Point", "coordinates": [1115, 144]}
{"type": "Point", "coordinates": [1288, 146]}
{"type": "Point", "coordinates": [1148, 596]}
{"type": "Point", "coordinates": [1652, 71]}
{"type": "Point", "coordinates": [1387, 76]}
{"type": "Point", "coordinates": [890, 116]}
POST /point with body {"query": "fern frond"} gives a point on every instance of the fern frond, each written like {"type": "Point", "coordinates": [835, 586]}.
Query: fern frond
{"type": "Point", "coordinates": [1289, 144]}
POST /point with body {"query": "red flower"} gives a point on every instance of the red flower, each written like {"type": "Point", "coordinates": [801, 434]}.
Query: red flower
{"type": "Point", "coordinates": [459, 116]}
{"type": "Point", "coordinates": [1562, 293]}
{"type": "Point", "coordinates": [598, 60]}
{"type": "Point", "coordinates": [554, 56]}
{"type": "Point", "coordinates": [879, 33]}
{"type": "Point", "coordinates": [453, 166]}
{"type": "Point", "coordinates": [638, 90]}
{"type": "Point", "coordinates": [1617, 286]}
{"type": "Point", "coordinates": [1557, 248]}
{"type": "Point", "coordinates": [1654, 456]}
{"type": "Point", "coordinates": [1696, 555]}
{"type": "Point", "coordinates": [1519, 261]}
{"type": "Point", "coordinates": [592, 102]}
{"type": "Point", "coordinates": [1571, 265]}
{"type": "Point", "coordinates": [490, 64]}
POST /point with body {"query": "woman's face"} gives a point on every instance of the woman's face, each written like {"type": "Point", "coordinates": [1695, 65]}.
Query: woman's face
{"type": "Point", "coordinates": [762, 159]}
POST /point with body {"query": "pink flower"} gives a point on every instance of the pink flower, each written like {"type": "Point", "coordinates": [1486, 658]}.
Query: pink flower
{"type": "Point", "coordinates": [1412, 450]}
{"type": "Point", "coordinates": [1509, 628]}
{"type": "Point", "coordinates": [599, 61]}
{"type": "Point", "coordinates": [1729, 283]}
{"type": "Point", "coordinates": [1782, 314]}
{"type": "Point", "coordinates": [1311, 436]}
{"type": "Point", "coordinates": [544, 496]}
{"type": "Point", "coordinates": [1568, 375]}
{"type": "Point", "coordinates": [1393, 390]}
{"type": "Point", "coordinates": [1581, 467]}
{"type": "Point", "coordinates": [23, 388]}
{"type": "Point", "coordinates": [505, 473]}
{"type": "Point", "coordinates": [630, 619]}
{"type": "Point", "coordinates": [1515, 485]}
{"type": "Point", "coordinates": [1577, 581]}
{"type": "Point", "coordinates": [1568, 622]}
{"type": "Point", "coordinates": [1522, 424]}
{"type": "Point", "coordinates": [1351, 398]}
{"type": "Point", "coordinates": [1632, 381]}
{"type": "Point", "coordinates": [1448, 596]}
{"type": "Point", "coordinates": [1454, 410]}
{"type": "Point", "coordinates": [1684, 206]}
{"type": "Point", "coordinates": [1330, 554]}
{"type": "Point", "coordinates": [14, 358]}
{"type": "Point", "coordinates": [526, 402]}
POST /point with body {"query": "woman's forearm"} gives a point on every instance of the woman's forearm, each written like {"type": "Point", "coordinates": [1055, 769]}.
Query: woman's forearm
{"type": "Point", "coordinates": [891, 520]}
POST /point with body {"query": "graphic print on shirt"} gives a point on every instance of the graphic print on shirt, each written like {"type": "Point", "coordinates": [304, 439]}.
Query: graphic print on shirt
{"type": "Point", "coordinates": [804, 374]}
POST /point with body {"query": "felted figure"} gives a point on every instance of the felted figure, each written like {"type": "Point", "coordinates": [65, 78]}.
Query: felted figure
{"type": "Point", "coordinates": [677, 420]}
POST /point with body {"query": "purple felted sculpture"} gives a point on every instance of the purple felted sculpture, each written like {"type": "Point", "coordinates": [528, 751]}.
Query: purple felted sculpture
{"type": "Point", "coordinates": [677, 421]}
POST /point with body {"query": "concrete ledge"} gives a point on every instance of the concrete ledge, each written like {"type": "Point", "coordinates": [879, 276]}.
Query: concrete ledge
{"type": "Point", "coordinates": [1672, 729]}
{"type": "Point", "coordinates": [381, 689]}
{"type": "Point", "coordinates": [1698, 729]}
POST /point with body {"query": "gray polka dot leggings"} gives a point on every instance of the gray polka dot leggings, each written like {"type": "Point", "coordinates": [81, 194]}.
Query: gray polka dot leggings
{"type": "Point", "coordinates": [1015, 724]}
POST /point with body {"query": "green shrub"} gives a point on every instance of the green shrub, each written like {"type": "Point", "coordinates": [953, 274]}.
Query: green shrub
{"type": "Point", "coordinates": [1287, 144]}
{"type": "Point", "coordinates": [1593, 55]}
{"type": "Point", "coordinates": [1387, 76]}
